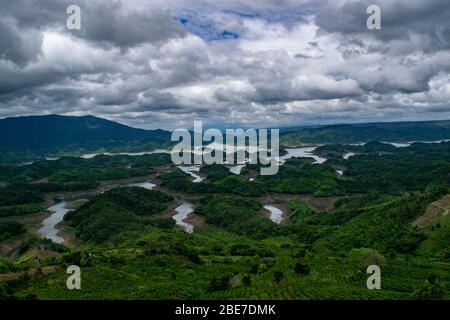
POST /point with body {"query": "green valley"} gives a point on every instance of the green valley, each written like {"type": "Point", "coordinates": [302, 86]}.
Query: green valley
{"type": "Point", "coordinates": [123, 235]}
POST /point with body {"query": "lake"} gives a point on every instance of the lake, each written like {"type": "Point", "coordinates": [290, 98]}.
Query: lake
{"type": "Point", "coordinates": [146, 185]}
{"type": "Point", "coordinates": [348, 155]}
{"type": "Point", "coordinates": [276, 215]}
{"type": "Point", "coordinates": [237, 169]}
{"type": "Point", "coordinates": [302, 153]}
{"type": "Point", "coordinates": [49, 230]}
{"type": "Point", "coordinates": [191, 171]}
{"type": "Point", "coordinates": [183, 212]}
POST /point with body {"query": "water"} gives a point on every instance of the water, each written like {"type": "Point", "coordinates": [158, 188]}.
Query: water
{"type": "Point", "coordinates": [229, 149]}
{"type": "Point", "coordinates": [135, 154]}
{"type": "Point", "coordinates": [191, 171]}
{"type": "Point", "coordinates": [358, 144]}
{"type": "Point", "coordinates": [408, 144]}
{"type": "Point", "coordinates": [88, 155]}
{"type": "Point", "coordinates": [183, 212]}
{"type": "Point", "coordinates": [302, 153]}
{"type": "Point", "coordinates": [24, 164]}
{"type": "Point", "coordinates": [348, 155]}
{"type": "Point", "coordinates": [276, 215]}
{"type": "Point", "coordinates": [340, 172]}
{"type": "Point", "coordinates": [146, 185]}
{"type": "Point", "coordinates": [132, 154]}
{"type": "Point", "coordinates": [399, 145]}
{"type": "Point", "coordinates": [437, 141]}
{"type": "Point", "coordinates": [237, 169]}
{"type": "Point", "coordinates": [48, 229]}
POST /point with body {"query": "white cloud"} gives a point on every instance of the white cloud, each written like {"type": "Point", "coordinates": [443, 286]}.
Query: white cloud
{"type": "Point", "coordinates": [286, 62]}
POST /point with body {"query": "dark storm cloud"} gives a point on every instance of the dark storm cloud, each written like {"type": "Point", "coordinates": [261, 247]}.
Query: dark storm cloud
{"type": "Point", "coordinates": [107, 22]}
{"type": "Point", "coordinates": [16, 45]}
{"type": "Point", "coordinates": [155, 100]}
{"type": "Point", "coordinates": [166, 62]}
{"type": "Point", "coordinates": [400, 19]}
{"type": "Point", "coordinates": [104, 22]}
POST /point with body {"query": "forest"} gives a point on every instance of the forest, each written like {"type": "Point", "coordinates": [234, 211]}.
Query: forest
{"type": "Point", "coordinates": [380, 211]}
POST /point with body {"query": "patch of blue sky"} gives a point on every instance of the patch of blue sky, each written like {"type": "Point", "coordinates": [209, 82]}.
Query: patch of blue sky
{"type": "Point", "coordinates": [206, 29]}
{"type": "Point", "coordinates": [205, 26]}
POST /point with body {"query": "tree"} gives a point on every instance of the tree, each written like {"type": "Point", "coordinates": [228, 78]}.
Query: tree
{"type": "Point", "coordinates": [278, 276]}
{"type": "Point", "coordinates": [219, 283]}
{"type": "Point", "coordinates": [431, 290]}
{"type": "Point", "coordinates": [301, 268]}
{"type": "Point", "coordinates": [247, 280]}
{"type": "Point", "coordinates": [364, 257]}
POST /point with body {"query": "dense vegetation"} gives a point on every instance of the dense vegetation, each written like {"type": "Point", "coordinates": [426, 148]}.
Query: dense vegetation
{"type": "Point", "coordinates": [220, 181]}
{"type": "Point", "coordinates": [117, 214]}
{"type": "Point", "coordinates": [12, 195]}
{"type": "Point", "coordinates": [10, 229]}
{"type": "Point", "coordinates": [69, 169]}
{"type": "Point", "coordinates": [299, 176]}
{"type": "Point", "coordinates": [410, 169]}
{"type": "Point", "coordinates": [237, 215]}
{"type": "Point", "coordinates": [128, 246]}
{"type": "Point", "coordinates": [55, 135]}
{"type": "Point", "coordinates": [400, 131]}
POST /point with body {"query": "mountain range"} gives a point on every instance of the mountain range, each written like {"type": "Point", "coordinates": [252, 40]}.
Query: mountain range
{"type": "Point", "coordinates": [25, 138]}
{"type": "Point", "coordinates": [364, 132]}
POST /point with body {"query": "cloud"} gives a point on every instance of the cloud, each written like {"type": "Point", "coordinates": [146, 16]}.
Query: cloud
{"type": "Point", "coordinates": [401, 19]}
{"type": "Point", "coordinates": [103, 22]}
{"type": "Point", "coordinates": [165, 63]}
{"type": "Point", "coordinates": [18, 46]}
{"type": "Point", "coordinates": [110, 23]}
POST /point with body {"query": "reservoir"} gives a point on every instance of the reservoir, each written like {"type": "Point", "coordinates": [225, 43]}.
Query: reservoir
{"type": "Point", "coordinates": [191, 171]}
{"type": "Point", "coordinates": [237, 169]}
{"type": "Point", "coordinates": [276, 215]}
{"type": "Point", "coordinates": [48, 229]}
{"type": "Point", "coordinates": [146, 185]}
{"type": "Point", "coordinates": [183, 212]}
{"type": "Point", "coordinates": [302, 153]}
{"type": "Point", "coordinates": [348, 155]}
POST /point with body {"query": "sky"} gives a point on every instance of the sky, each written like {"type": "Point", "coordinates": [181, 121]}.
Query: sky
{"type": "Point", "coordinates": [252, 63]}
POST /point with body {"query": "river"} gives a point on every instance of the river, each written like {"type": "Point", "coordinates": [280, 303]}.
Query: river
{"type": "Point", "coordinates": [59, 210]}
{"type": "Point", "coordinates": [348, 155]}
{"type": "Point", "coordinates": [191, 171]}
{"type": "Point", "coordinates": [276, 215]}
{"type": "Point", "coordinates": [49, 229]}
{"type": "Point", "coordinates": [302, 153]}
{"type": "Point", "coordinates": [237, 169]}
{"type": "Point", "coordinates": [183, 212]}
{"type": "Point", "coordinates": [146, 185]}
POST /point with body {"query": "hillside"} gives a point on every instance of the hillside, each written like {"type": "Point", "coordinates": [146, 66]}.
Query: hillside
{"type": "Point", "coordinates": [131, 243]}
{"type": "Point", "coordinates": [27, 137]}
{"type": "Point", "coordinates": [348, 133]}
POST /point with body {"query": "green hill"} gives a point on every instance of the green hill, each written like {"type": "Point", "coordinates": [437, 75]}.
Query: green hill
{"type": "Point", "coordinates": [348, 133]}
{"type": "Point", "coordinates": [25, 138]}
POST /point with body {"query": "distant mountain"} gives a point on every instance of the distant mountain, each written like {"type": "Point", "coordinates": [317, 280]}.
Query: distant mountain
{"type": "Point", "coordinates": [348, 133]}
{"type": "Point", "coordinates": [43, 135]}
{"type": "Point", "coordinates": [28, 138]}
